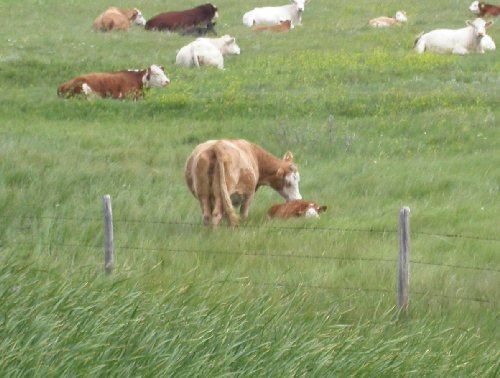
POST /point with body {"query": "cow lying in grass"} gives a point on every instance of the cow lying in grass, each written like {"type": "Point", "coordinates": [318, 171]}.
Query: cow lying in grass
{"type": "Point", "coordinates": [483, 9]}
{"type": "Point", "coordinates": [118, 19]}
{"type": "Point", "coordinates": [296, 209]}
{"type": "Point", "coordinates": [118, 85]}
{"type": "Point", "coordinates": [457, 41]}
{"type": "Point", "coordinates": [223, 173]}
{"type": "Point", "coordinates": [274, 15]}
{"type": "Point", "coordinates": [384, 21]}
{"type": "Point", "coordinates": [207, 52]}
{"type": "Point", "coordinates": [175, 21]}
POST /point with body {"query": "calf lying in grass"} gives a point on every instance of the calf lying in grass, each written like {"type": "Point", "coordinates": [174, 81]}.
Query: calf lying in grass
{"type": "Point", "coordinates": [296, 209]}
{"type": "Point", "coordinates": [385, 22]}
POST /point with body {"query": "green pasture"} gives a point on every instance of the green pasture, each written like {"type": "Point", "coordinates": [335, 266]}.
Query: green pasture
{"type": "Point", "coordinates": [373, 127]}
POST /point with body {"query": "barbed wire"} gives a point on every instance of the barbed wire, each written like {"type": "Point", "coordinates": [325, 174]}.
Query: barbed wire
{"type": "Point", "coordinates": [267, 227]}
{"type": "Point", "coordinates": [260, 253]}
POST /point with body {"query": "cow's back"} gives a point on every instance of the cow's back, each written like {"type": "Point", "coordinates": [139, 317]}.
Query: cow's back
{"type": "Point", "coordinates": [182, 19]}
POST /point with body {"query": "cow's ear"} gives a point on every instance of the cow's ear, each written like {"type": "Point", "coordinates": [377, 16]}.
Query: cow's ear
{"type": "Point", "coordinates": [288, 156]}
{"type": "Point", "coordinates": [230, 40]}
{"type": "Point", "coordinates": [467, 22]}
{"type": "Point", "coordinates": [488, 24]}
{"type": "Point", "coordinates": [162, 68]}
{"type": "Point", "coordinates": [322, 209]}
{"type": "Point", "coordinates": [280, 173]}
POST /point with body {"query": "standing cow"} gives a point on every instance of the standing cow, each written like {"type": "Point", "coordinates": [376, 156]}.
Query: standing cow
{"type": "Point", "coordinates": [115, 18]}
{"type": "Point", "coordinates": [174, 21]}
{"type": "Point", "coordinates": [220, 173]}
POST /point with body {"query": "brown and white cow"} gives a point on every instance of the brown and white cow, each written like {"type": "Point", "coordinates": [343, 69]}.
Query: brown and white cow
{"type": "Point", "coordinates": [296, 209]}
{"type": "Point", "coordinates": [115, 18]}
{"type": "Point", "coordinates": [226, 173]}
{"type": "Point", "coordinates": [483, 9]}
{"type": "Point", "coordinates": [283, 26]}
{"type": "Point", "coordinates": [202, 14]}
{"type": "Point", "coordinates": [119, 85]}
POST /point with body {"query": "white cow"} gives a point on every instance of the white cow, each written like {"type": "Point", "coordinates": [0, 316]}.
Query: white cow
{"type": "Point", "coordinates": [275, 15]}
{"type": "Point", "coordinates": [207, 52]}
{"type": "Point", "coordinates": [457, 41]}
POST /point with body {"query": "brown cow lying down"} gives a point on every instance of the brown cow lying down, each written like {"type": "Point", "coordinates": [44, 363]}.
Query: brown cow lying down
{"type": "Point", "coordinates": [295, 209]}
{"type": "Point", "coordinates": [223, 173]}
{"type": "Point", "coordinates": [120, 84]}
{"type": "Point", "coordinates": [118, 19]}
{"type": "Point", "coordinates": [281, 27]}
{"type": "Point", "coordinates": [202, 14]}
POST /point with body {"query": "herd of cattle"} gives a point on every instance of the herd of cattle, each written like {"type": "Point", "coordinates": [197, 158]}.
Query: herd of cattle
{"type": "Point", "coordinates": [224, 174]}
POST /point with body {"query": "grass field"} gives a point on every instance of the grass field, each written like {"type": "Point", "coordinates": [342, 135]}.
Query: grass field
{"type": "Point", "coordinates": [373, 127]}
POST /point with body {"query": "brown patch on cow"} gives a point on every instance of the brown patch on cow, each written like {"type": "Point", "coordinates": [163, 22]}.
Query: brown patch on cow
{"type": "Point", "coordinates": [283, 26]}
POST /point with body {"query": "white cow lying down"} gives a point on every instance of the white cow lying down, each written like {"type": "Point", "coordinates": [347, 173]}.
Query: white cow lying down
{"type": "Point", "coordinates": [207, 52]}
{"type": "Point", "coordinates": [275, 15]}
{"type": "Point", "coordinates": [457, 41]}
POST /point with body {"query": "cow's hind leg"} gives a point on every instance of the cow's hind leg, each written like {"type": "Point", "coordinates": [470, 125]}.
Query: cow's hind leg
{"type": "Point", "coordinates": [217, 211]}
{"type": "Point", "coordinates": [205, 209]}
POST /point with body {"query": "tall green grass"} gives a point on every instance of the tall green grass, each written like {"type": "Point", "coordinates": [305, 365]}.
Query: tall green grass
{"type": "Point", "coordinates": [373, 127]}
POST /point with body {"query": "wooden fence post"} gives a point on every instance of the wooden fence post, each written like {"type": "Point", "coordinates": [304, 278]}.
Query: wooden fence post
{"type": "Point", "coordinates": [109, 260]}
{"type": "Point", "coordinates": [404, 259]}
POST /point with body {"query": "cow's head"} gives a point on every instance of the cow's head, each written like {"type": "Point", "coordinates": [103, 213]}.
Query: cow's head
{"type": "Point", "coordinates": [155, 77]}
{"type": "Point", "coordinates": [138, 18]}
{"type": "Point", "coordinates": [314, 210]}
{"type": "Point", "coordinates": [301, 4]}
{"type": "Point", "coordinates": [479, 26]}
{"type": "Point", "coordinates": [230, 46]}
{"type": "Point", "coordinates": [401, 16]}
{"type": "Point", "coordinates": [474, 7]}
{"type": "Point", "coordinates": [214, 10]}
{"type": "Point", "coordinates": [286, 182]}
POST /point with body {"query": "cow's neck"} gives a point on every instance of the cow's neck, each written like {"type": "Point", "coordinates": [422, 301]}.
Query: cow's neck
{"type": "Point", "coordinates": [268, 165]}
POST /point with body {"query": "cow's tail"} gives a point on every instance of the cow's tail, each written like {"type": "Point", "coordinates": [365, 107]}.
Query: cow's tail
{"type": "Point", "coordinates": [220, 176]}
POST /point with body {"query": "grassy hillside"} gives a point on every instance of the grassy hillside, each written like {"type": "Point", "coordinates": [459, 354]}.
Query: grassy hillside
{"type": "Point", "coordinates": [373, 127]}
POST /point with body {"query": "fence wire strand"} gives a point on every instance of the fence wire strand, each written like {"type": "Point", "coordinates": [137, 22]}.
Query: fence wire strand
{"type": "Point", "coordinates": [267, 227]}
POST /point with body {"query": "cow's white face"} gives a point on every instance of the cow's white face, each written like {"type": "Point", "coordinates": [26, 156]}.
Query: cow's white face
{"type": "Point", "coordinates": [231, 47]}
{"type": "Point", "coordinates": [290, 190]}
{"type": "Point", "coordinates": [474, 7]}
{"type": "Point", "coordinates": [139, 19]}
{"type": "Point", "coordinates": [155, 77]}
{"type": "Point", "coordinates": [401, 16]}
{"type": "Point", "coordinates": [301, 4]}
{"type": "Point", "coordinates": [479, 26]}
